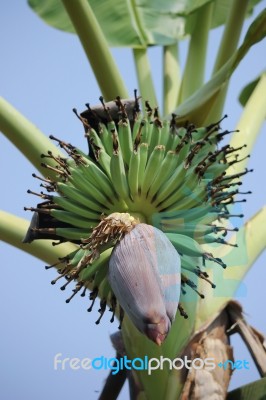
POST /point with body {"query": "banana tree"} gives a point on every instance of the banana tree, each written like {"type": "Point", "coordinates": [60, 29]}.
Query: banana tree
{"type": "Point", "coordinates": [146, 173]}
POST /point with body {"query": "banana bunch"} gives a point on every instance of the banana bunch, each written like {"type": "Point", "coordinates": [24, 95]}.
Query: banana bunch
{"type": "Point", "coordinates": [139, 170]}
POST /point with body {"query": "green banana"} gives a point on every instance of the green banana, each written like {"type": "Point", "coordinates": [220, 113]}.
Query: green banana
{"type": "Point", "coordinates": [173, 140]}
{"type": "Point", "coordinates": [100, 274]}
{"type": "Point", "coordinates": [98, 264]}
{"type": "Point", "coordinates": [106, 139]}
{"type": "Point", "coordinates": [78, 197]}
{"type": "Point", "coordinates": [104, 290]}
{"type": "Point", "coordinates": [191, 198]}
{"type": "Point", "coordinates": [183, 153]}
{"type": "Point", "coordinates": [163, 173]}
{"type": "Point", "coordinates": [78, 256]}
{"type": "Point", "coordinates": [104, 160]}
{"type": "Point", "coordinates": [192, 230]}
{"type": "Point", "coordinates": [136, 127]}
{"type": "Point", "coordinates": [73, 219]}
{"type": "Point", "coordinates": [210, 238]}
{"type": "Point", "coordinates": [206, 151]}
{"type": "Point", "coordinates": [75, 208]}
{"type": "Point", "coordinates": [111, 126]}
{"type": "Point", "coordinates": [72, 233]}
{"type": "Point", "coordinates": [191, 263]}
{"type": "Point", "coordinates": [188, 263]}
{"type": "Point", "coordinates": [209, 217]}
{"type": "Point", "coordinates": [119, 175]}
{"type": "Point", "coordinates": [133, 172]}
{"type": "Point", "coordinates": [125, 140]}
{"type": "Point", "coordinates": [186, 188]}
{"type": "Point", "coordinates": [165, 134]}
{"type": "Point", "coordinates": [143, 152]}
{"type": "Point", "coordinates": [187, 215]}
{"type": "Point", "coordinates": [185, 244]}
{"type": "Point", "coordinates": [176, 180]}
{"type": "Point", "coordinates": [215, 170]}
{"type": "Point", "coordinates": [146, 132]}
{"type": "Point", "coordinates": [155, 135]}
{"type": "Point", "coordinates": [99, 179]}
{"type": "Point", "coordinates": [154, 160]}
{"type": "Point", "coordinates": [96, 141]}
{"type": "Point", "coordinates": [204, 132]}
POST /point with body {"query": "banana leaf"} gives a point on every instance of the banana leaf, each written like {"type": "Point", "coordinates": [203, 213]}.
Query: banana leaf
{"type": "Point", "coordinates": [136, 23]}
{"type": "Point", "coordinates": [248, 90]}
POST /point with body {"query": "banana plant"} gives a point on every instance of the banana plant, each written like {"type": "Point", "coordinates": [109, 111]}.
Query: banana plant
{"type": "Point", "coordinates": [142, 218]}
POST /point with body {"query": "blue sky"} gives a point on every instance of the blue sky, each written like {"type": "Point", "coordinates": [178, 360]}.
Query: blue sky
{"type": "Point", "coordinates": [44, 74]}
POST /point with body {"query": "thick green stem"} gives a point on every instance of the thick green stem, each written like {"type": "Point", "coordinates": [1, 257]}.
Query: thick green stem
{"type": "Point", "coordinates": [13, 230]}
{"type": "Point", "coordinates": [143, 69]}
{"type": "Point", "coordinates": [96, 48]}
{"type": "Point", "coordinates": [26, 137]}
{"type": "Point", "coordinates": [250, 124]}
{"type": "Point", "coordinates": [227, 48]}
{"type": "Point", "coordinates": [196, 58]}
{"type": "Point", "coordinates": [231, 33]}
{"type": "Point", "coordinates": [171, 74]}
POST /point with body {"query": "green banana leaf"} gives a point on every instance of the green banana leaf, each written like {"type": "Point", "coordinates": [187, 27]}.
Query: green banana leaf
{"type": "Point", "coordinates": [248, 90]}
{"type": "Point", "coordinates": [255, 390]}
{"type": "Point", "coordinates": [138, 23]}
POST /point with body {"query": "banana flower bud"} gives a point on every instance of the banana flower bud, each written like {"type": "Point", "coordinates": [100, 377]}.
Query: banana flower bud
{"type": "Point", "coordinates": [144, 273]}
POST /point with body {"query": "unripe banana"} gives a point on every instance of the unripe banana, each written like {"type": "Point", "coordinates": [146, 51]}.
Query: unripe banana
{"type": "Point", "coordinates": [125, 140]}
{"type": "Point", "coordinates": [187, 215]}
{"type": "Point", "coordinates": [189, 229]}
{"type": "Point", "coordinates": [186, 188]}
{"type": "Point", "coordinates": [77, 196]}
{"type": "Point", "coordinates": [106, 139]}
{"type": "Point", "coordinates": [176, 180]}
{"type": "Point", "coordinates": [119, 175]}
{"type": "Point", "coordinates": [75, 208]}
{"type": "Point", "coordinates": [80, 181]}
{"type": "Point", "coordinates": [136, 127]}
{"type": "Point", "coordinates": [89, 272]}
{"type": "Point", "coordinates": [146, 132]}
{"type": "Point", "coordinates": [143, 152]}
{"type": "Point", "coordinates": [173, 140]}
{"type": "Point", "coordinates": [104, 160]}
{"type": "Point", "coordinates": [95, 141]}
{"type": "Point", "coordinates": [73, 219]}
{"type": "Point", "coordinates": [133, 173]}
{"type": "Point", "coordinates": [154, 160]}
{"type": "Point", "coordinates": [185, 244]}
{"type": "Point", "coordinates": [188, 198]}
{"type": "Point", "coordinates": [163, 173]}
{"type": "Point", "coordinates": [72, 233]}
{"type": "Point", "coordinates": [155, 135]}
{"type": "Point", "coordinates": [165, 133]}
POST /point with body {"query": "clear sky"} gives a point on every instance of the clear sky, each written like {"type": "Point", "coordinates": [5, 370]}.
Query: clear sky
{"type": "Point", "coordinates": [44, 74]}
